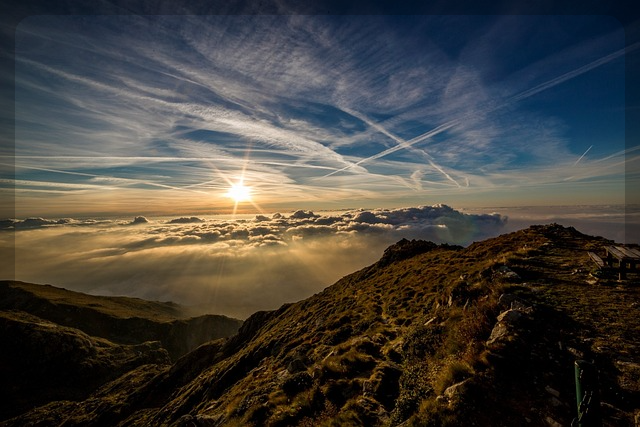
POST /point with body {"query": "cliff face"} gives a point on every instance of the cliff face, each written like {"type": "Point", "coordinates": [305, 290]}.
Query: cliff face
{"type": "Point", "coordinates": [430, 335]}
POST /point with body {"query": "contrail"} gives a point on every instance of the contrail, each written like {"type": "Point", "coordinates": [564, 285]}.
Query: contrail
{"type": "Point", "coordinates": [583, 154]}
{"type": "Point", "coordinates": [439, 169]}
{"type": "Point", "coordinates": [374, 125]}
{"type": "Point", "coordinates": [159, 159]}
{"type": "Point", "coordinates": [574, 73]}
{"type": "Point", "coordinates": [518, 97]}
{"type": "Point", "coordinates": [136, 181]}
{"type": "Point", "coordinates": [624, 152]}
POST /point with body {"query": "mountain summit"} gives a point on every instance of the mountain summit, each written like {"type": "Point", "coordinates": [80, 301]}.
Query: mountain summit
{"type": "Point", "coordinates": [430, 335]}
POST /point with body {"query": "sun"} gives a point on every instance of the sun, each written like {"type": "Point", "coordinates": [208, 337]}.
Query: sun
{"type": "Point", "coordinates": [239, 192]}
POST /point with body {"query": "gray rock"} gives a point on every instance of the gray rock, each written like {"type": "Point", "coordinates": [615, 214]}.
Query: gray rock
{"type": "Point", "coordinates": [551, 422]}
{"type": "Point", "coordinates": [552, 391]}
{"type": "Point", "coordinates": [507, 274]}
{"type": "Point", "coordinates": [510, 317]}
{"type": "Point", "coordinates": [510, 301]}
{"type": "Point", "coordinates": [296, 365]}
{"type": "Point", "coordinates": [505, 300]}
{"type": "Point", "coordinates": [555, 402]}
{"type": "Point", "coordinates": [455, 389]}
{"type": "Point", "coordinates": [451, 393]}
{"type": "Point", "coordinates": [498, 333]}
{"type": "Point", "coordinates": [430, 321]}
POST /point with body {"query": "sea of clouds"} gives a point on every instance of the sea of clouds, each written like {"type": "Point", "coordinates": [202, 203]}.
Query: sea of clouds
{"type": "Point", "coordinates": [226, 266]}
{"type": "Point", "coordinates": [236, 266]}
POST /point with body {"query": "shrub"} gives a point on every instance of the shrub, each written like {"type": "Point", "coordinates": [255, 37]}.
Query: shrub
{"type": "Point", "coordinates": [258, 414]}
{"type": "Point", "coordinates": [296, 383]}
{"type": "Point", "coordinates": [357, 363]}
{"type": "Point", "coordinates": [433, 414]}
{"type": "Point", "coordinates": [360, 412]}
{"type": "Point", "coordinates": [386, 386]}
{"type": "Point", "coordinates": [367, 346]}
{"type": "Point", "coordinates": [422, 341]}
{"type": "Point", "coordinates": [414, 387]}
{"type": "Point", "coordinates": [338, 392]}
{"type": "Point", "coordinates": [348, 365]}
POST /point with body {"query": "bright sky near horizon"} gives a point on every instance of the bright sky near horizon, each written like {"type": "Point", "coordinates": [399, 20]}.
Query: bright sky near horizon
{"type": "Point", "coordinates": [149, 115]}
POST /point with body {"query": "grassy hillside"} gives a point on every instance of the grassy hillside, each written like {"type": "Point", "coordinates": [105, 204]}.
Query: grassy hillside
{"type": "Point", "coordinates": [31, 297]}
{"type": "Point", "coordinates": [428, 336]}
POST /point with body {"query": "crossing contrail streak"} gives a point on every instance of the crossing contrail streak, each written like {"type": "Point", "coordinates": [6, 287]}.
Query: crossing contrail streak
{"type": "Point", "coordinates": [402, 144]}
{"type": "Point", "coordinates": [442, 171]}
{"type": "Point", "coordinates": [406, 144]}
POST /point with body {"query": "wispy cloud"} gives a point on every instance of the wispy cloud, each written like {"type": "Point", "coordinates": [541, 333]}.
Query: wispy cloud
{"type": "Point", "coordinates": [491, 106]}
{"type": "Point", "coordinates": [189, 103]}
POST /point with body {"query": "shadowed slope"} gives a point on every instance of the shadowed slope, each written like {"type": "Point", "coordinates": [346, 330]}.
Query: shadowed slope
{"type": "Point", "coordinates": [120, 319]}
{"type": "Point", "coordinates": [41, 361]}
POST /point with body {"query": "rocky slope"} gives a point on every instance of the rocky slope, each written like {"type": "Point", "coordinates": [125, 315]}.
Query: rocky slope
{"type": "Point", "coordinates": [430, 335]}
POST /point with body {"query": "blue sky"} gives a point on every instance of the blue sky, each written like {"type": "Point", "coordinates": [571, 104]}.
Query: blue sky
{"type": "Point", "coordinates": [162, 114]}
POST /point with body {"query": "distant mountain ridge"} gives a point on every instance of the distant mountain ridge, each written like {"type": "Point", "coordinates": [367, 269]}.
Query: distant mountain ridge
{"type": "Point", "coordinates": [120, 319]}
{"type": "Point", "coordinates": [430, 335]}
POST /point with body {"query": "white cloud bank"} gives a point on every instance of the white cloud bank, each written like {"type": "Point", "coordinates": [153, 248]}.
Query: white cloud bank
{"type": "Point", "coordinates": [232, 267]}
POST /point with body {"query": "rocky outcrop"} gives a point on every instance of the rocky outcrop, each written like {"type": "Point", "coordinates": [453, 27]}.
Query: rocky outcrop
{"type": "Point", "coordinates": [405, 249]}
{"type": "Point", "coordinates": [511, 322]}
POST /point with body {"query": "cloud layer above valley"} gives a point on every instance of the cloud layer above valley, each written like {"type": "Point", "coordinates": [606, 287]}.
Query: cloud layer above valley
{"type": "Point", "coordinates": [233, 267]}
{"type": "Point", "coordinates": [238, 266]}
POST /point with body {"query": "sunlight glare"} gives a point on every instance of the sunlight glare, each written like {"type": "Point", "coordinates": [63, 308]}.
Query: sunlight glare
{"type": "Point", "coordinates": [239, 192]}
